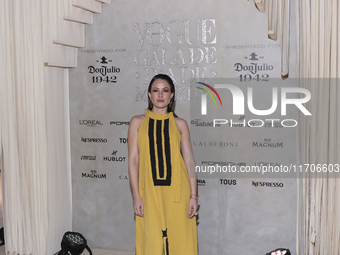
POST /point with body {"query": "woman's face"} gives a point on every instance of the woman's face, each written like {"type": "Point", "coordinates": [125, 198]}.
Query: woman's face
{"type": "Point", "coordinates": [160, 94]}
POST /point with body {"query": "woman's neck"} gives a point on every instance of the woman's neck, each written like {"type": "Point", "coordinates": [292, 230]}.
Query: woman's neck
{"type": "Point", "coordinates": [159, 110]}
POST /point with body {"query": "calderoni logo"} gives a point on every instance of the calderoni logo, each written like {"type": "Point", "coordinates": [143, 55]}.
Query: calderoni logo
{"type": "Point", "coordinates": [90, 123]}
{"type": "Point", "coordinates": [93, 175]}
{"type": "Point", "coordinates": [214, 144]}
{"type": "Point", "coordinates": [267, 184]}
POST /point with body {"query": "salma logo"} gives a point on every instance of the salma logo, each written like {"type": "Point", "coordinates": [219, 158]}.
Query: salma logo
{"type": "Point", "coordinates": [204, 97]}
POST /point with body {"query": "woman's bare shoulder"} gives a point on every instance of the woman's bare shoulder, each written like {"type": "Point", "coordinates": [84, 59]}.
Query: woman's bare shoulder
{"type": "Point", "coordinates": [138, 117]}
{"type": "Point", "coordinates": [137, 120]}
{"type": "Point", "coordinates": [181, 124]}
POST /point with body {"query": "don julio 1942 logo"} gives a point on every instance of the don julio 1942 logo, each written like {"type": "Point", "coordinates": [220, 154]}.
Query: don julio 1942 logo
{"type": "Point", "coordinates": [103, 73]}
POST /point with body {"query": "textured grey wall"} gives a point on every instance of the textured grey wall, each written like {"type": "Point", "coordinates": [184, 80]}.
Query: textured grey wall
{"type": "Point", "coordinates": [127, 44]}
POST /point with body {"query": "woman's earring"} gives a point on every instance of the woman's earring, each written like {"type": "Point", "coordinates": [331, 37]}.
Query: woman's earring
{"type": "Point", "coordinates": [170, 107]}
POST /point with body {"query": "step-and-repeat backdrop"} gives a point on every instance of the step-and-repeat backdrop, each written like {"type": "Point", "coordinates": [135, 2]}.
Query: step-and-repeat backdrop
{"type": "Point", "coordinates": [209, 42]}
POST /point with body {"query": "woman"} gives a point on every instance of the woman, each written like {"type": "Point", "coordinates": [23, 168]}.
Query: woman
{"type": "Point", "coordinates": [164, 193]}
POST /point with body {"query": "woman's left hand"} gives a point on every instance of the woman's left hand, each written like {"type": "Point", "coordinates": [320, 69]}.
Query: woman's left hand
{"type": "Point", "coordinates": [193, 207]}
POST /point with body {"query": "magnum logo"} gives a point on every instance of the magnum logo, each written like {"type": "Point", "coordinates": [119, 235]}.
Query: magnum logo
{"type": "Point", "coordinates": [159, 144]}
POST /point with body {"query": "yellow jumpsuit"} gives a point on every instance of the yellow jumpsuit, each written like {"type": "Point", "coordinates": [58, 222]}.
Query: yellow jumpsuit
{"type": "Point", "coordinates": [164, 186]}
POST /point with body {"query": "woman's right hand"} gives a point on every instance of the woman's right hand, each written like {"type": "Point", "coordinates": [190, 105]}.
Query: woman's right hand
{"type": "Point", "coordinates": [138, 206]}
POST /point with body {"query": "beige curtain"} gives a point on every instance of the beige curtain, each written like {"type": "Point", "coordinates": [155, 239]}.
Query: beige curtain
{"type": "Point", "coordinates": [319, 139]}
{"type": "Point", "coordinates": [38, 41]}
{"type": "Point", "coordinates": [317, 26]}
{"type": "Point", "coordinates": [23, 132]}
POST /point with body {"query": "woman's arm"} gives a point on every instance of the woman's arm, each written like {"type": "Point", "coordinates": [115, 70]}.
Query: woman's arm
{"type": "Point", "coordinates": [138, 204]}
{"type": "Point", "coordinates": [189, 161]}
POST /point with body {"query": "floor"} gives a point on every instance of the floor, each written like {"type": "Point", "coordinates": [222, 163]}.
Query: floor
{"type": "Point", "coordinates": [94, 252]}
{"type": "Point", "coordinates": [108, 252]}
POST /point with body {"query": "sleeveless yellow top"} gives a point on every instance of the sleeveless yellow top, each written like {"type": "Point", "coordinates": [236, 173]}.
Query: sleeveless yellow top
{"type": "Point", "coordinates": [164, 186]}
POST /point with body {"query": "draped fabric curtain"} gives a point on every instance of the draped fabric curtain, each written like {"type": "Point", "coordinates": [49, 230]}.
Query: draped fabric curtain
{"type": "Point", "coordinates": [23, 132]}
{"type": "Point", "coordinates": [38, 42]}
{"type": "Point", "coordinates": [317, 27]}
{"type": "Point", "coordinates": [319, 138]}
